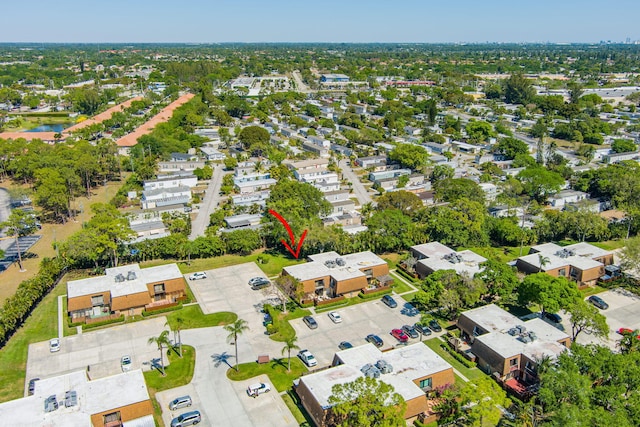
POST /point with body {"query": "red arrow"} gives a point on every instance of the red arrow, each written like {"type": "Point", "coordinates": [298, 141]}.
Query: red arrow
{"type": "Point", "coordinates": [284, 222]}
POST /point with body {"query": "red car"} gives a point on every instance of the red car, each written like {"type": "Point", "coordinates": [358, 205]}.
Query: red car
{"type": "Point", "coordinates": [400, 335]}
{"type": "Point", "coordinates": [624, 331]}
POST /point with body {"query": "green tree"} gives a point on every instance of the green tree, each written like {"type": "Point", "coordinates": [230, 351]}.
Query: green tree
{"type": "Point", "coordinates": [440, 172]}
{"type": "Point", "coordinates": [501, 279]}
{"type": "Point", "coordinates": [479, 131]}
{"type": "Point", "coordinates": [481, 401]}
{"type": "Point", "coordinates": [623, 146]}
{"type": "Point", "coordinates": [407, 203]}
{"type": "Point", "coordinates": [230, 163]}
{"type": "Point", "coordinates": [511, 147]}
{"type": "Point", "coordinates": [253, 135]}
{"type": "Point", "coordinates": [551, 293]}
{"type": "Point", "coordinates": [518, 89]}
{"type": "Point", "coordinates": [366, 402]}
{"type": "Point", "coordinates": [236, 329]}
{"type": "Point", "coordinates": [539, 183]}
{"type": "Point", "coordinates": [290, 344]}
{"type": "Point", "coordinates": [20, 223]}
{"type": "Point", "coordinates": [161, 341]}
{"type": "Point", "coordinates": [586, 318]}
{"type": "Point", "coordinates": [454, 189]}
{"type": "Point", "coordinates": [411, 156]}
{"type": "Point", "coordinates": [630, 254]}
{"type": "Point", "coordinates": [111, 229]}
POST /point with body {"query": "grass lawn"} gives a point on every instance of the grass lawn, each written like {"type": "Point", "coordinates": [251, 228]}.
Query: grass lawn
{"type": "Point", "coordinates": [276, 370]}
{"type": "Point", "coordinates": [292, 400]}
{"type": "Point", "coordinates": [272, 265]}
{"type": "Point", "coordinates": [284, 328]}
{"type": "Point", "coordinates": [392, 259]}
{"type": "Point", "coordinates": [192, 318]}
{"type": "Point", "coordinates": [179, 372]}
{"type": "Point", "coordinates": [400, 284]}
{"type": "Point", "coordinates": [503, 254]}
{"type": "Point", "coordinates": [41, 325]}
{"type": "Point", "coordinates": [591, 291]}
{"type": "Point", "coordinates": [609, 245]}
{"type": "Point", "coordinates": [471, 373]}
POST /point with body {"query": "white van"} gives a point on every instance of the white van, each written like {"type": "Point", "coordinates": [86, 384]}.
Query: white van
{"type": "Point", "coordinates": [180, 402]}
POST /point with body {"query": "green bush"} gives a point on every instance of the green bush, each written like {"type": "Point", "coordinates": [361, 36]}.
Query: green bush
{"type": "Point", "coordinates": [146, 312]}
{"type": "Point", "coordinates": [460, 358]}
{"type": "Point", "coordinates": [104, 322]}
{"type": "Point", "coordinates": [374, 295]}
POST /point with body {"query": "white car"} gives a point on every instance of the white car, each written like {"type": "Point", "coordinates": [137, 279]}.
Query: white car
{"type": "Point", "coordinates": [125, 363]}
{"type": "Point", "coordinates": [308, 358]}
{"type": "Point", "coordinates": [54, 345]}
{"type": "Point", "coordinates": [258, 388]}
{"type": "Point", "coordinates": [198, 275]}
{"type": "Point", "coordinates": [335, 317]}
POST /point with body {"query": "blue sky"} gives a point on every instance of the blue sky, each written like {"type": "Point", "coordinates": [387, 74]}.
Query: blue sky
{"type": "Point", "coordinates": [425, 21]}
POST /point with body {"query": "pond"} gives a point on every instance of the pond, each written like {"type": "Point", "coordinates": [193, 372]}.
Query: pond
{"type": "Point", "coordinates": [58, 127]}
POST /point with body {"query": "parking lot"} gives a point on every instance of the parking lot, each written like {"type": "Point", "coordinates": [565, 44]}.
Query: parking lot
{"type": "Point", "coordinates": [358, 321]}
{"type": "Point", "coordinates": [623, 312]}
{"type": "Point", "coordinates": [100, 351]}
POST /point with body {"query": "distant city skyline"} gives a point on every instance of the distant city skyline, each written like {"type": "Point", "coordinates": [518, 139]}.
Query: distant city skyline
{"type": "Point", "coordinates": [345, 21]}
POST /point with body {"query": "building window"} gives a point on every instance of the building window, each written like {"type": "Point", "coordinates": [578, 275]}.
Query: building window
{"type": "Point", "coordinates": [368, 272]}
{"type": "Point", "coordinates": [513, 362]}
{"type": "Point", "coordinates": [158, 289]}
{"type": "Point", "coordinates": [320, 287]}
{"type": "Point", "coordinates": [562, 272]}
{"type": "Point", "coordinates": [112, 418]}
{"type": "Point", "coordinates": [426, 384]}
{"type": "Point", "coordinates": [477, 331]}
{"type": "Point", "coordinates": [97, 300]}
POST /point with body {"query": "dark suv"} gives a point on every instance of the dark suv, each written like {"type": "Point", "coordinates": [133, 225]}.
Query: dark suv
{"type": "Point", "coordinates": [375, 340]}
{"type": "Point", "coordinates": [410, 330]}
{"type": "Point", "coordinates": [598, 302]}
{"type": "Point", "coordinates": [389, 301]}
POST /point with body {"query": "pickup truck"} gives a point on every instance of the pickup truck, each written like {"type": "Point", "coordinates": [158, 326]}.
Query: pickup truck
{"type": "Point", "coordinates": [307, 358]}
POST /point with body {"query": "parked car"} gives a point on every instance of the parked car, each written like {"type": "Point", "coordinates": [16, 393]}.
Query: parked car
{"type": "Point", "coordinates": [598, 302]}
{"type": "Point", "coordinates": [257, 281]}
{"type": "Point", "coordinates": [335, 317]}
{"type": "Point", "coordinates": [308, 358]}
{"type": "Point", "coordinates": [186, 419]}
{"type": "Point", "coordinates": [198, 275]}
{"type": "Point", "coordinates": [552, 317]}
{"type": "Point", "coordinates": [434, 325]}
{"type": "Point", "coordinates": [423, 329]}
{"type": "Point", "coordinates": [344, 345]}
{"type": "Point", "coordinates": [267, 320]}
{"type": "Point", "coordinates": [32, 385]}
{"type": "Point", "coordinates": [399, 335]}
{"type": "Point", "coordinates": [375, 340]}
{"type": "Point", "coordinates": [410, 331]}
{"type": "Point", "coordinates": [125, 363]}
{"type": "Point", "coordinates": [262, 283]}
{"type": "Point", "coordinates": [257, 389]}
{"type": "Point", "coordinates": [310, 322]}
{"type": "Point", "coordinates": [180, 402]}
{"type": "Point", "coordinates": [389, 301]}
{"type": "Point", "coordinates": [54, 345]}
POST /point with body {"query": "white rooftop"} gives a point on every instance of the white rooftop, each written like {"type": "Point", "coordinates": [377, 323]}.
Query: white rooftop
{"type": "Point", "coordinates": [351, 269]}
{"type": "Point", "coordinates": [93, 397]}
{"type": "Point", "coordinates": [580, 255]}
{"type": "Point", "coordinates": [409, 363]}
{"type": "Point", "coordinates": [440, 257]}
{"type": "Point", "coordinates": [107, 283]}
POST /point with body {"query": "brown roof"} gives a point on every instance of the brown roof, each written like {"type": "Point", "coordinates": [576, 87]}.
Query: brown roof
{"type": "Point", "coordinates": [613, 214]}
{"type": "Point", "coordinates": [132, 139]}
{"type": "Point", "coordinates": [102, 116]}
{"type": "Point", "coordinates": [45, 136]}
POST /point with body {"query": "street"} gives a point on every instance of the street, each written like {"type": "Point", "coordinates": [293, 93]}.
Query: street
{"type": "Point", "coordinates": [211, 200]}
{"type": "Point", "coordinates": [358, 189]}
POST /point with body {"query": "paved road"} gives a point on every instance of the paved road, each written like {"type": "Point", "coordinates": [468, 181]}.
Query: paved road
{"type": "Point", "coordinates": [300, 86]}
{"type": "Point", "coordinates": [208, 205]}
{"type": "Point", "coordinates": [360, 192]}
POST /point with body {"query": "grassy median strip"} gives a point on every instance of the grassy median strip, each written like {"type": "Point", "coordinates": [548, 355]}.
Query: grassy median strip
{"type": "Point", "coordinates": [435, 345]}
{"type": "Point", "coordinates": [276, 370]}
{"type": "Point", "coordinates": [192, 318]}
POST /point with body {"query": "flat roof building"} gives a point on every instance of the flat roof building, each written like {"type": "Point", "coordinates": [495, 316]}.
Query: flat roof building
{"type": "Point", "coordinates": [434, 256]}
{"type": "Point", "coordinates": [117, 400]}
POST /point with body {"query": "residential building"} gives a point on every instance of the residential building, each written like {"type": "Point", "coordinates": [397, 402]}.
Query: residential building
{"type": "Point", "coordinates": [212, 154]}
{"type": "Point", "coordinates": [328, 274]}
{"type": "Point", "coordinates": [580, 262]}
{"type": "Point", "coordinates": [127, 290]}
{"type": "Point", "coordinates": [183, 157]}
{"type": "Point", "coordinates": [619, 157]}
{"type": "Point", "coordinates": [257, 198]}
{"type": "Point", "coordinates": [171, 181]}
{"type": "Point", "coordinates": [435, 256]}
{"type": "Point", "coordinates": [118, 400]}
{"type": "Point", "coordinates": [389, 173]}
{"type": "Point", "coordinates": [490, 190]}
{"type": "Point", "coordinates": [148, 229]}
{"type": "Point", "coordinates": [316, 149]}
{"type": "Point", "coordinates": [256, 185]}
{"type": "Point", "coordinates": [165, 197]}
{"type": "Point", "coordinates": [564, 197]}
{"type": "Point", "coordinates": [235, 222]}
{"type": "Point", "coordinates": [376, 162]}
{"type": "Point", "coordinates": [333, 78]}
{"type": "Point", "coordinates": [413, 371]}
{"type": "Point", "coordinates": [180, 166]}
{"type": "Point", "coordinates": [508, 348]}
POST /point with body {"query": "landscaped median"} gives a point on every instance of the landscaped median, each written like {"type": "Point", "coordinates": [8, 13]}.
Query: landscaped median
{"type": "Point", "coordinates": [179, 372]}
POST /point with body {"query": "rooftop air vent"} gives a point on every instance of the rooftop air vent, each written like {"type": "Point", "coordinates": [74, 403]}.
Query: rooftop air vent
{"type": "Point", "coordinates": [50, 403]}
{"type": "Point", "coordinates": [119, 278]}
{"type": "Point", "coordinates": [341, 262]}
{"type": "Point", "coordinates": [330, 264]}
{"type": "Point", "coordinates": [70, 399]}
{"type": "Point", "coordinates": [384, 366]}
{"type": "Point", "coordinates": [131, 275]}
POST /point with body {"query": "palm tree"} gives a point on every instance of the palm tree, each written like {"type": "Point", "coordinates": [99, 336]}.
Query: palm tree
{"type": "Point", "coordinates": [290, 344]}
{"type": "Point", "coordinates": [543, 260]}
{"type": "Point", "coordinates": [176, 333]}
{"type": "Point", "coordinates": [236, 328]}
{"type": "Point", "coordinates": [161, 341]}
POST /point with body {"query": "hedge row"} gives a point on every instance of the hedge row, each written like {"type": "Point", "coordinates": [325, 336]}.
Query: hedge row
{"type": "Point", "coordinates": [104, 322]}
{"type": "Point", "coordinates": [374, 295]}
{"type": "Point", "coordinates": [18, 307]}
{"type": "Point", "coordinates": [153, 312]}
{"type": "Point", "coordinates": [460, 358]}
